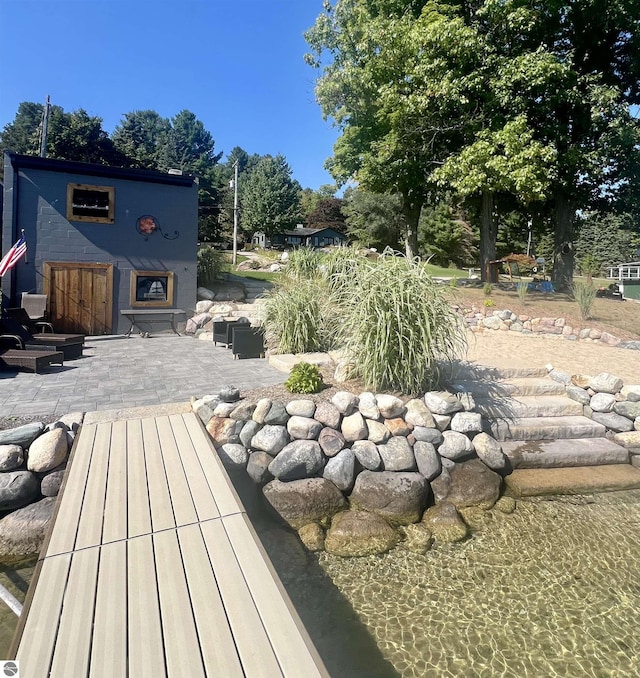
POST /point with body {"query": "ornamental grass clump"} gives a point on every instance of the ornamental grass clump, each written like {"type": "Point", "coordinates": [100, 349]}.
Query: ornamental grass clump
{"type": "Point", "coordinates": [398, 329]}
{"type": "Point", "coordinates": [522, 288]}
{"type": "Point", "coordinates": [584, 293]}
{"type": "Point", "coordinates": [303, 262]}
{"type": "Point", "coordinates": [298, 316]}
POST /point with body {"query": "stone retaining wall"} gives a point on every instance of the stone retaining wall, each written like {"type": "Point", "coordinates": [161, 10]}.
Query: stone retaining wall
{"type": "Point", "coordinates": [33, 459]}
{"type": "Point", "coordinates": [480, 318]}
{"type": "Point", "coordinates": [359, 474]}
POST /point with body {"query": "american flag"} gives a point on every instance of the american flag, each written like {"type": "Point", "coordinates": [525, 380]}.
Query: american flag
{"type": "Point", "coordinates": [10, 259]}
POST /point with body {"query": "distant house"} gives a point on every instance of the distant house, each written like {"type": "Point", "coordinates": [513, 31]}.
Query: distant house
{"type": "Point", "coordinates": [100, 239]}
{"type": "Point", "coordinates": [301, 237]}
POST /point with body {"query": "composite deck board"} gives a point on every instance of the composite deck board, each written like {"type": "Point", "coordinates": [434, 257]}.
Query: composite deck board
{"type": "Point", "coordinates": [109, 648]}
{"type": "Point", "coordinates": [63, 541]}
{"type": "Point", "coordinates": [115, 507]}
{"type": "Point", "coordinates": [153, 569]}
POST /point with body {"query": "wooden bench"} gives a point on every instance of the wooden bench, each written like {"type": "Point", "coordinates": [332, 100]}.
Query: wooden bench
{"type": "Point", "coordinates": [151, 316]}
{"type": "Point", "coordinates": [152, 567]}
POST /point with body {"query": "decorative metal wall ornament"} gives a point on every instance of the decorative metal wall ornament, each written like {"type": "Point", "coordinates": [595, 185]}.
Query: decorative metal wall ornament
{"type": "Point", "coordinates": [148, 225]}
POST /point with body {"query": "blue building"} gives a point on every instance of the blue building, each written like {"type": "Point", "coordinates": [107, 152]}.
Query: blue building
{"type": "Point", "coordinates": [100, 239]}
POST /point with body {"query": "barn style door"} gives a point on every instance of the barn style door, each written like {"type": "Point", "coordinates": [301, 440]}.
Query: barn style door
{"type": "Point", "coordinates": [80, 296]}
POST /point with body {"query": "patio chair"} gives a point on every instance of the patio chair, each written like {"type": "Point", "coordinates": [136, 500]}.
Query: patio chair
{"type": "Point", "coordinates": [34, 360]}
{"type": "Point", "coordinates": [222, 330]}
{"type": "Point", "coordinates": [247, 341]}
{"type": "Point", "coordinates": [71, 345]}
{"type": "Point", "coordinates": [33, 326]}
{"type": "Point", "coordinates": [35, 305]}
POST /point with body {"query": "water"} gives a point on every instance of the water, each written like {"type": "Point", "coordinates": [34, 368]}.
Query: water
{"type": "Point", "coordinates": [550, 590]}
{"type": "Point", "coordinates": [15, 578]}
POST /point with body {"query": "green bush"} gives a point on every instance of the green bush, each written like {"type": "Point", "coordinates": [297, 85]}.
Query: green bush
{"type": "Point", "coordinates": [489, 303]}
{"type": "Point", "coordinates": [398, 328]}
{"type": "Point", "coordinates": [298, 316]}
{"type": "Point", "coordinates": [584, 294]}
{"type": "Point", "coordinates": [304, 378]}
{"type": "Point", "coordinates": [210, 265]}
{"type": "Point", "coordinates": [487, 289]}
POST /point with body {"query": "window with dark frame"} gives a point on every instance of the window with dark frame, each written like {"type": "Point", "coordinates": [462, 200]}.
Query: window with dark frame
{"type": "Point", "coordinates": [151, 289]}
{"type": "Point", "coordinates": [90, 203]}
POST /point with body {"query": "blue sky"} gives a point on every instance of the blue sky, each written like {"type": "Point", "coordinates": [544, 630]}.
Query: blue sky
{"type": "Point", "coordinates": [237, 64]}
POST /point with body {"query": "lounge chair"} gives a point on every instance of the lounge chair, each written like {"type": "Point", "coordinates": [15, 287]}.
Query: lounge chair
{"type": "Point", "coordinates": [33, 326]}
{"type": "Point", "coordinates": [247, 341]}
{"type": "Point", "coordinates": [222, 330]}
{"type": "Point", "coordinates": [28, 359]}
{"type": "Point", "coordinates": [71, 345]}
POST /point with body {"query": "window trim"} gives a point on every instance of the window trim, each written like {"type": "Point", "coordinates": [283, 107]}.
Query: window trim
{"type": "Point", "coordinates": [109, 218]}
{"type": "Point", "coordinates": [168, 303]}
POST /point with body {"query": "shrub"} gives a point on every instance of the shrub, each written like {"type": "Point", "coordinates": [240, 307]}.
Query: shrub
{"type": "Point", "coordinates": [397, 327]}
{"type": "Point", "coordinates": [487, 289]}
{"type": "Point", "coordinates": [304, 378]}
{"type": "Point", "coordinates": [210, 265]}
{"type": "Point", "coordinates": [453, 282]}
{"type": "Point", "coordinates": [298, 317]}
{"type": "Point", "coordinates": [489, 303]}
{"type": "Point", "coordinates": [584, 294]}
{"type": "Point", "coordinates": [523, 289]}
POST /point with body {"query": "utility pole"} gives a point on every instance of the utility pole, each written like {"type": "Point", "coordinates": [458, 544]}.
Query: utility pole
{"type": "Point", "coordinates": [235, 212]}
{"type": "Point", "coordinates": [45, 125]}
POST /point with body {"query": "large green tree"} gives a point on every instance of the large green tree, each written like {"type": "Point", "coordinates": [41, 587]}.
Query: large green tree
{"type": "Point", "coordinates": [373, 220]}
{"type": "Point", "coordinates": [71, 136]}
{"type": "Point", "coordinates": [270, 198]}
{"type": "Point", "coordinates": [142, 136]}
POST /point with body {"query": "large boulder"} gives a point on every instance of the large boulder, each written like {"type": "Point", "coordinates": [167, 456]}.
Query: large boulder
{"type": "Point", "coordinates": [22, 532]}
{"type": "Point", "coordinates": [444, 522]}
{"type": "Point", "coordinates": [22, 435]}
{"type": "Point", "coordinates": [398, 497]}
{"type": "Point", "coordinates": [301, 502]}
{"type": "Point", "coordinates": [299, 459]}
{"type": "Point", "coordinates": [17, 488]}
{"type": "Point", "coordinates": [270, 439]}
{"type": "Point", "coordinates": [303, 428]}
{"type": "Point", "coordinates": [470, 483]}
{"type": "Point", "coordinates": [340, 470]}
{"type": "Point", "coordinates": [331, 441]}
{"type": "Point", "coordinates": [48, 451]}
{"type": "Point", "coordinates": [359, 533]}
{"type": "Point", "coordinates": [11, 457]}
{"type": "Point", "coordinates": [397, 454]}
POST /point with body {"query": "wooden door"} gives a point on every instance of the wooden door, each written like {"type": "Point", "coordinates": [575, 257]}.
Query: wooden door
{"type": "Point", "coordinates": [80, 296]}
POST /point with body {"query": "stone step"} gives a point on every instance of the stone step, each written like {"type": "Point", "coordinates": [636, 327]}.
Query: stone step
{"type": "Point", "coordinates": [528, 406]}
{"type": "Point", "coordinates": [546, 428]}
{"type": "Point", "coordinates": [517, 386]}
{"type": "Point", "coordinates": [485, 372]}
{"type": "Point", "coordinates": [564, 453]}
{"type": "Point", "coordinates": [576, 480]}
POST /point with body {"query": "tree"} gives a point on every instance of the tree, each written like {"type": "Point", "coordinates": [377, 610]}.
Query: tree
{"type": "Point", "coordinates": [606, 240]}
{"type": "Point", "coordinates": [189, 147]}
{"type": "Point", "coordinates": [71, 136]}
{"type": "Point", "coordinates": [373, 220]}
{"type": "Point", "coordinates": [142, 136]}
{"type": "Point", "coordinates": [327, 214]}
{"type": "Point", "coordinates": [270, 199]}
{"type": "Point", "coordinates": [445, 236]}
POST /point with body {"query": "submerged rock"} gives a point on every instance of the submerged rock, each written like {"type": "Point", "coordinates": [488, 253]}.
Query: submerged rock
{"type": "Point", "coordinates": [22, 532]}
{"type": "Point", "coordinates": [445, 523]}
{"type": "Point", "coordinates": [300, 502]}
{"type": "Point", "coordinates": [359, 533]}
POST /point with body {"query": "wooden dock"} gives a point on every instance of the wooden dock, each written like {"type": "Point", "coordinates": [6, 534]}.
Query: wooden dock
{"type": "Point", "coordinates": [153, 568]}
